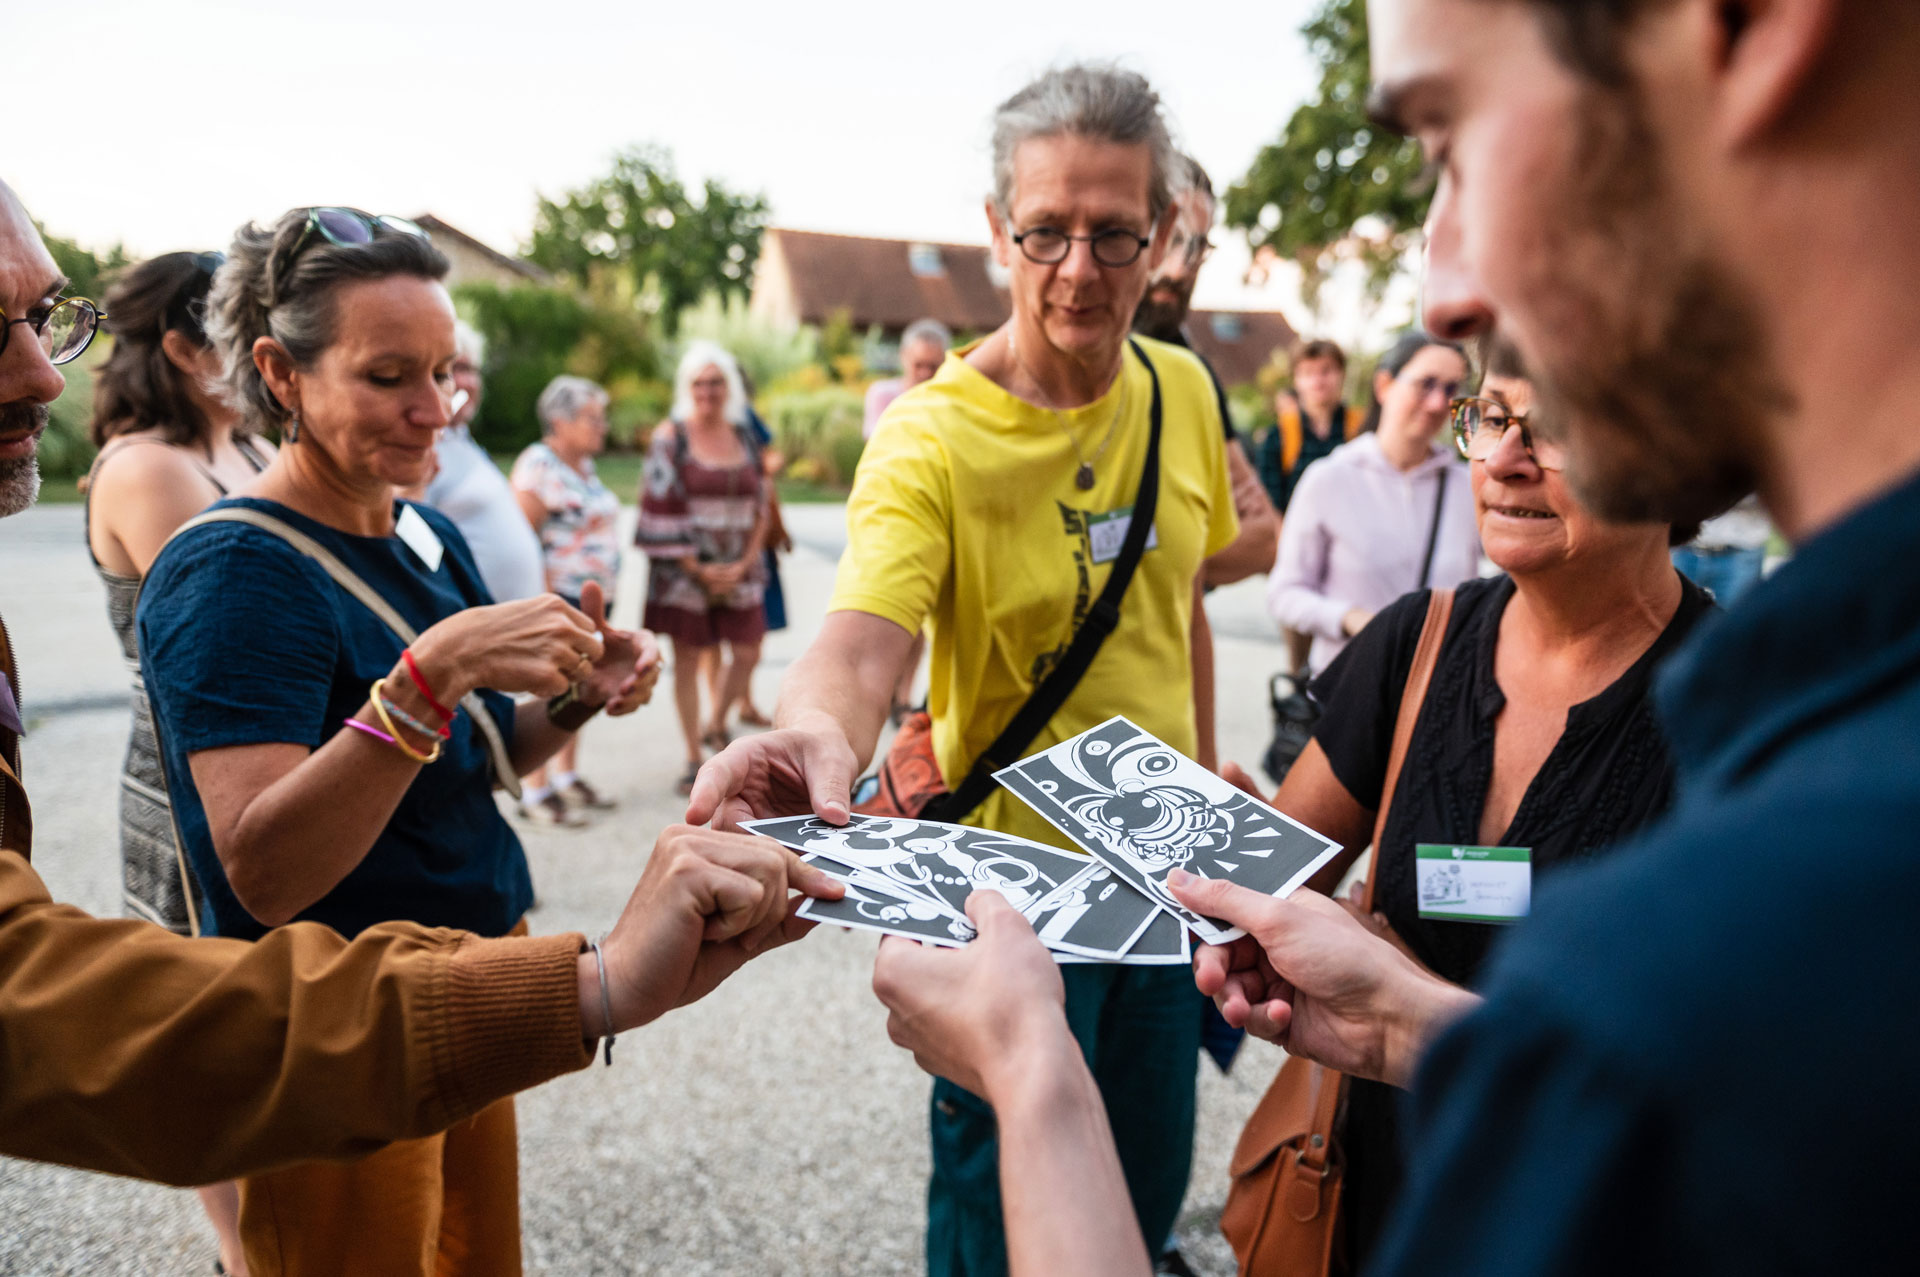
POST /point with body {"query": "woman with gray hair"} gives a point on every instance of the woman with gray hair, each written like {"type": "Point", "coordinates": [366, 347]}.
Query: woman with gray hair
{"type": "Point", "coordinates": [577, 520]}
{"type": "Point", "coordinates": [706, 582]}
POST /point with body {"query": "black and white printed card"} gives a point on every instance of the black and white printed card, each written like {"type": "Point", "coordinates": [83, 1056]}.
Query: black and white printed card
{"type": "Point", "coordinates": [1094, 915]}
{"type": "Point", "coordinates": [925, 859]}
{"type": "Point", "coordinates": [873, 911]}
{"type": "Point", "coordinates": [1145, 809]}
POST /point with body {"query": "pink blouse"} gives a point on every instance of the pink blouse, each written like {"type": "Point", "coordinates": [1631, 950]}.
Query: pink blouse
{"type": "Point", "coordinates": [1355, 533]}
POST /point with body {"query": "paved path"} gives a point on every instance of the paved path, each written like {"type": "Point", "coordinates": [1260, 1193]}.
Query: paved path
{"type": "Point", "coordinates": [769, 1129]}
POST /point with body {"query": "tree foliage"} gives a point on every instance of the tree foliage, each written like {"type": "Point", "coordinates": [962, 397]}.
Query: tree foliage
{"type": "Point", "coordinates": [1334, 186]}
{"type": "Point", "coordinates": [535, 334]}
{"type": "Point", "coordinates": [641, 222]}
{"type": "Point", "coordinates": [87, 272]}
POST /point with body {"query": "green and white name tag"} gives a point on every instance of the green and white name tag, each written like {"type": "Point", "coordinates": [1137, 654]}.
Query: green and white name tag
{"type": "Point", "coordinates": [1106, 533]}
{"type": "Point", "coordinates": [1473, 884]}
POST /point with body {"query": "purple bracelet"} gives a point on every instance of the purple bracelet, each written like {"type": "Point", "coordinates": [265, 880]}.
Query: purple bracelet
{"type": "Point", "coordinates": [371, 730]}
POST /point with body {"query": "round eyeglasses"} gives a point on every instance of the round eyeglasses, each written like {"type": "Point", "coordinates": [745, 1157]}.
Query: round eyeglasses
{"type": "Point", "coordinates": [65, 328]}
{"type": "Point", "coordinates": [1480, 424]}
{"type": "Point", "coordinates": [1116, 246]}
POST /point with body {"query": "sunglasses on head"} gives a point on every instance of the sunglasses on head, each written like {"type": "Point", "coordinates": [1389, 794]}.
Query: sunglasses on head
{"type": "Point", "coordinates": [348, 227]}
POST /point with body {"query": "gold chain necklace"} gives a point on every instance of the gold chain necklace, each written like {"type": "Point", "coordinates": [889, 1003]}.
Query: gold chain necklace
{"type": "Point", "coordinates": [1083, 477]}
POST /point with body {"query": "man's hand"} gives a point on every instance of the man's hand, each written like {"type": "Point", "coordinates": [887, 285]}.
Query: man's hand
{"type": "Point", "coordinates": [977, 1015]}
{"type": "Point", "coordinates": [795, 771]}
{"type": "Point", "coordinates": [1312, 978]}
{"type": "Point", "coordinates": [706, 903]}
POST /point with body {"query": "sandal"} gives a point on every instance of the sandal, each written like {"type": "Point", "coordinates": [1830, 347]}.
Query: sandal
{"type": "Point", "coordinates": [684, 786]}
{"type": "Point", "coordinates": [716, 739]}
{"type": "Point", "coordinates": [751, 717]}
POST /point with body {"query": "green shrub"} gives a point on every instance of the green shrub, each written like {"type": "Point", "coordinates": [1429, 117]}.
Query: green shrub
{"type": "Point", "coordinates": [65, 450]}
{"type": "Point", "coordinates": [818, 428]}
{"type": "Point", "coordinates": [765, 353]}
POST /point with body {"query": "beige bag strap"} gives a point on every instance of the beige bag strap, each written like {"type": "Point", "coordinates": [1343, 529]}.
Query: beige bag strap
{"type": "Point", "coordinates": [352, 583]}
{"type": "Point", "coordinates": [1330, 1087]}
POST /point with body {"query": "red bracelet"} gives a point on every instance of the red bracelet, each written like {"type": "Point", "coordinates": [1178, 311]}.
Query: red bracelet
{"type": "Point", "coordinates": [413, 672]}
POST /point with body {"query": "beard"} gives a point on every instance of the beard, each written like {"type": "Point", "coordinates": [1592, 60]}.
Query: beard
{"type": "Point", "coordinates": [1161, 320]}
{"type": "Point", "coordinates": [20, 479]}
{"type": "Point", "coordinates": [1652, 361]}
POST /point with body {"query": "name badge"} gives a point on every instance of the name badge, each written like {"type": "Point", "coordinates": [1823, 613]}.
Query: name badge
{"type": "Point", "coordinates": [1473, 884]}
{"type": "Point", "coordinates": [413, 529]}
{"type": "Point", "coordinates": [1108, 532]}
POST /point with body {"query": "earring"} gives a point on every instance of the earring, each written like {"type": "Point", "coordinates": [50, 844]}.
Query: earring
{"type": "Point", "coordinates": [291, 431]}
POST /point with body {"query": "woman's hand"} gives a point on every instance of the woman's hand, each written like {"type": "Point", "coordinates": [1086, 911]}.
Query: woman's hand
{"type": "Point", "coordinates": [624, 676]}
{"type": "Point", "coordinates": [540, 645]}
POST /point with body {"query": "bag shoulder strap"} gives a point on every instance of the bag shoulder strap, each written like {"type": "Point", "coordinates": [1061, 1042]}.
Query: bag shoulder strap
{"type": "Point", "coordinates": [1330, 1086]}
{"type": "Point", "coordinates": [1433, 530]}
{"type": "Point", "coordinates": [1292, 439]}
{"type": "Point", "coordinates": [350, 581]}
{"type": "Point", "coordinates": [1100, 621]}
{"type": "Point", "coordinates": [1426, 656]}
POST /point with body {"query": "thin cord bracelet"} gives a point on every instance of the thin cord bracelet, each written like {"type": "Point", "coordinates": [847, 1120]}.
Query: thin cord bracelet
{"type": "Point", "coordinates": [398, 743]}
{"type": "Point", "coordinates": [370, 730]}
{"type": "Point", "coordinates": [405, 719]}
{"type": "Point", "coordinates": [420, 682]}
{"type": "Point", "coordinates": [606, 999]}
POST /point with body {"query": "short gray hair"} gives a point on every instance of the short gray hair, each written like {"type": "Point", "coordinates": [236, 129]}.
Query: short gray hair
{"type": "Point", "coordinates": [565, 398]}
{"type": "Point", "coordinates": [469, 343]}
{"type": "Point", "coordinates": [1094, 100]}
{"type": "Point", "coordinates": [927, 330]}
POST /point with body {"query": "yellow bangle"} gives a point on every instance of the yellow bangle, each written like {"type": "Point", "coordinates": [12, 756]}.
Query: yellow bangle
{"type": "Point", "coordinates": [399, 742]}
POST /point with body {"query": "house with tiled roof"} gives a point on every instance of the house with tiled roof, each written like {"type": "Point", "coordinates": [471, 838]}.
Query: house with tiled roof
{"type": "Point", "coordinates": [806, 277]}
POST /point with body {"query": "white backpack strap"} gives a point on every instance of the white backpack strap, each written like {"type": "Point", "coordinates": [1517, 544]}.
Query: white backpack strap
{"type": "Point", "coordinates": [352, 583]}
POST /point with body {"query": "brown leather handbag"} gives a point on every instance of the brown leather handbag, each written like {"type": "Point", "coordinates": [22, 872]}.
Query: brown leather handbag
{"type": "Point", "coordinates": [1282, 1215]}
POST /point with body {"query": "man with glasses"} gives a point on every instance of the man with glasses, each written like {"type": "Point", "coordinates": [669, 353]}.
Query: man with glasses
{"type": "Point", "coordinates": [1162, 315]}
{"type": "Point", "coordinates": [995, 502]}
{"type": "Point", "coordinates": [134, 1051]}
{"type": "Point", "coordinates": [1698, 1055]}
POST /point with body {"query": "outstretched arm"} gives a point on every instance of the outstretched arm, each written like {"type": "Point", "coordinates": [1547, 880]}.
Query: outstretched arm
{"type": "Point", "coordinates": [138, 1052]}
{"type": "Point", "coordinates": [992, 1018]}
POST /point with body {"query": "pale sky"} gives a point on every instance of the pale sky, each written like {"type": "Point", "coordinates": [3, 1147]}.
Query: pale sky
{"type": "Point", "coordinates": [167, 123]}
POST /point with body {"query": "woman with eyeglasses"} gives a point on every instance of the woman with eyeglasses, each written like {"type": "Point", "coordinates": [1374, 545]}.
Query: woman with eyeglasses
{"type": "Point", "coordinates": [331, 687]}
{"type": "Point", "coordinates": [1386, 513]}
{"type": "Point", "coordinates": [1538, 735]}
{"type": "Point", "coordinates": [168, 449]}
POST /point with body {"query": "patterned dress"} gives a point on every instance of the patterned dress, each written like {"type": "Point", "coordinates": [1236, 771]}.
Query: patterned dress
{"type": "Point", "coordinates": [580, 540]}
{"type": "Point", "coordinates": [689, 509]}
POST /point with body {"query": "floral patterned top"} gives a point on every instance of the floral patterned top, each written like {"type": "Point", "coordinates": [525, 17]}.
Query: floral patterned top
{"type": "Point", "coordinates": [580, 540]}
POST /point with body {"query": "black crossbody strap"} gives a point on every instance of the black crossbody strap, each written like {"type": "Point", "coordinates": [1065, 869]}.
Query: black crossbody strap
{"type": "Point", "coordinates": [1433, 532]}
{"type": "Point", "coordinates": [1101, 619]}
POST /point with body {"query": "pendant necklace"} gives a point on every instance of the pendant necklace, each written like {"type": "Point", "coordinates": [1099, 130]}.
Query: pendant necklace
{"type": "Point", "coordinates": [1083, 477]}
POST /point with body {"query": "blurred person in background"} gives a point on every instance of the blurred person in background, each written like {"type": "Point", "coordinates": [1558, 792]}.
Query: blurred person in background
{"type": "Point", "coordinates": [469, 489]}
{"type": "Point", "coordinates": [1310, 420]}
{"type": "Point", "coordinates": [1162, 315]}
{"type": "Point", "coordinates": [577, 519]}
{"type": "Point", "coordinates": [922, 346]}
{"type": "Point", "coordinates": [1389, 512]}
{"type": "Point", "coordinates": [323, 766]}
{"type": "Point", "coordinates": [778, 542]}
{"type": "Point", "coordinates": [168, 449]}
{"type": "Point", "coordinates": [703, 524]}
{"type": "Point", "coordinates": [1728, 556]}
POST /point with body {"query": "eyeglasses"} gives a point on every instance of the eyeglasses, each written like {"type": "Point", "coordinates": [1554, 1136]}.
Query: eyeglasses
{"type": "Point", "coordinates": [1116, 246]}
{"type": "Point", "coordinates": [65, 329]}
{"type": "Point", "coordinates": [1479, 426]}
{"type": "Point", "coordinates": [1425, 387]}
{"type": "Point", "coordinates": [345, 228]}
{"type": "Point", "coordinates": [1189, 248]}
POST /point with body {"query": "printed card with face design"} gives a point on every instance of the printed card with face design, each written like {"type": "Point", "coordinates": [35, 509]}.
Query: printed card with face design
{"type": "Point", "coordinates": [870, 910]}
{"type": "Point", "coordinates": [1094, 915]}
{"type": "Point", "coordinates": [1145, 809]}
{"type": "Point", "coordinates": [927, 860]}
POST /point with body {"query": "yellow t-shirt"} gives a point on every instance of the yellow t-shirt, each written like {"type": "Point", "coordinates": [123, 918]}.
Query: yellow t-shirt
{"type": "Point", "coordinates": [964, 511]}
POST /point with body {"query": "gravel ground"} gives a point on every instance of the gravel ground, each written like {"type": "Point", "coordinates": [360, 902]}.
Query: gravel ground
{"type": "Point", "coordinates": [769, 1129]}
